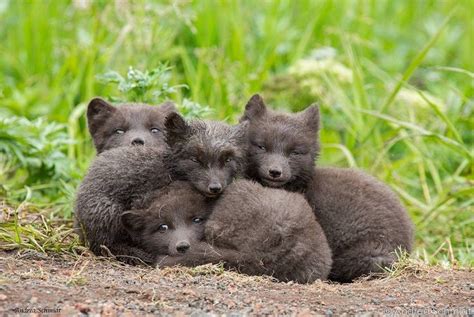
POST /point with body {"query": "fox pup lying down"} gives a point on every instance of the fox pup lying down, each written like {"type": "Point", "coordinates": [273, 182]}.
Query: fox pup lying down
{"type": "Point", "coordinates": [207, 154]}
{"type": "Point", "coordinates": [168, 222]}
{"type": "Point", "coordinates": [252, 229]}
{"type": "Point", "coordinates": [363, 220]}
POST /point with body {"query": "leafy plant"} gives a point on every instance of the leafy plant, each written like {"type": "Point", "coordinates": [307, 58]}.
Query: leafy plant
{"type": "Point", "coordinates": [147, 87]}
{"type": "Point", "coordinates": [152, 87]}
{"type": "Point", "coordinates": [191, 109]}
{"type": "Point", "coordinates": [33, 156]}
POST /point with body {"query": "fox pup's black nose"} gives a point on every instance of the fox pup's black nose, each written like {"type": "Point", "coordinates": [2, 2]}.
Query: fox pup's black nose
{"type": "Point", "coordinates": [182, 246]}
{"type": "Point", "coordinates": [274, 173]}
{"type": "Point", "coordinates": [138, 141]}
{"type": "Point", "coordinates": [215, 188]}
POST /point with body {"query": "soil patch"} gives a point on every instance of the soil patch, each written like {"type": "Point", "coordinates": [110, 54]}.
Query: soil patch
{"type": "Point", "coordinates": [33, 282]}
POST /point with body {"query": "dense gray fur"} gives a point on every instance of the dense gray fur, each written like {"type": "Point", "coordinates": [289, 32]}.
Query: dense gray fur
{"type": "Point", "coordinates": [261, 230]}
{"type": "Point", "coordinates": [170, 221]}
{"type": "Point", "coordinates": [363, 220]}
{"type": "Point", "coordinates": [115, 179]}
{"type": "Point", "coordinates": [126, 124]}
{"type": "Point", "coordinates": [203, 153]}
{"type": "Point", "coordinates": [282, 147]}
{"type": "Point", "coordinates": [257, 231]}
{"type": "Point", "coordinates": [209, 154]}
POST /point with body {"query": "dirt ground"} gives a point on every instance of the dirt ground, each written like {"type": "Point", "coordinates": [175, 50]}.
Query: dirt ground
{"type": "Point", "coordinates": [35, 283]}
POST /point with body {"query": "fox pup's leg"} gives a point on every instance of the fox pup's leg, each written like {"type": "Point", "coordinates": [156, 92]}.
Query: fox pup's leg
{"type": "Point", "coordinates": [129, 254]}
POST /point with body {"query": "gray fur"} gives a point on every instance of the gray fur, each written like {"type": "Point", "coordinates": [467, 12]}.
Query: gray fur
{"type": "Point", "coordinates": [261, 230]}
{"type": "Point", "coordinates": [170, 221]}
{"type": "Point", "coordinates": [119, 176]}
{"type": "Point", "coordinates": [282, 143]}
{"type": "Point", "coordinates": [209, 154]}
{"type": "Point", "coordinates": [126, 124]}
{"type": "Point", "coordinates": [257, 231]}
{"type": "Point", "coordinates": [115, 179]}
{"type": "Point", "coordinates": [363, 220]}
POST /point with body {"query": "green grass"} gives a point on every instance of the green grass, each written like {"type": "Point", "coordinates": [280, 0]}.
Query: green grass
{"type": "Point", "coordinates": [394, 80]}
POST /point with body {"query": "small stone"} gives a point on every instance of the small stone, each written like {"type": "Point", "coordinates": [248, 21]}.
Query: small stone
{"type": "Point", "coordinates": [188, 292]}
{"type": "Point", "coordinates": [3, 297]}
{"type": "Point", "coordinates": [33, 300]}
{"type": "Point", "coordinates": [83, 308]}
{"type": "Point", "coordinates": [109, 310]}
{"type": "Point", "coordinates": [304, 313]}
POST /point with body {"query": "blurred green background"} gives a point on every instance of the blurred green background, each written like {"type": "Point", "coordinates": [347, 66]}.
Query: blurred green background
{"type": "Point", "coordinates": [394, 80]}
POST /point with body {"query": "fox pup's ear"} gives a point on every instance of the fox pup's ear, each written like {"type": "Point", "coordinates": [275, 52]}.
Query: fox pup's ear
{"type": "Point", "coordinates": [168, 106]}
{"type": "Point", "coordinates": [98, 112]}
{"type": "Point", "coordinates": [177, 129]}
{"type": "Point", "coordinates": [254, 109]}
{"type": "Point", "coordinates": [134, 220]}
{"type": "Point", "coordinates": [240, 131]}
{"type": "Point", "coordinates": [310, 117]}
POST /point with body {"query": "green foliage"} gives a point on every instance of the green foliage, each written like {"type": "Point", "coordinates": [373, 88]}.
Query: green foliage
{"type": "Point", "coordinates": [32, 153]}
{"type": "Point", "coordinates": [147, 87]}
{"type": "Point", "coordinates": [191, 109]}
{"type": "Point", "coordinates": [37, 146]}
{"type": "Point", "coordinates": [152, 87]}
{"type": "Point", "coordinates": [393, 80]}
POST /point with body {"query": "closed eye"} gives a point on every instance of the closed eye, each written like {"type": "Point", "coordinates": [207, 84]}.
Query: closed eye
{"type": "Point", "coordinates": [298, 151]}
{"type": "Point", "coordinates": [259, 145]}
{"type": "Point", "coordinates": [155, 130]}
{"type": "Point", "coordinates": [119, 131]}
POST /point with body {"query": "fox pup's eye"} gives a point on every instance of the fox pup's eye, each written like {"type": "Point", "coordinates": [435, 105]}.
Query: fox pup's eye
{"type": "Point", "coordinates": [194, 159]}
{"type": "Point", "coordinates": [163, 228]}
{"type": "Point", "coordinates": [119, 131]}
{"type": "Point", "coordinates": [299, 152]}
{"type": "Point", "coordinates": [198, 220]}
{"type": "Point", "coordinates": [228, 160]}
{"type": "Point", "coordinates": [154, 130]}
{"type": "Point", "coordinates": [261, 147]}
